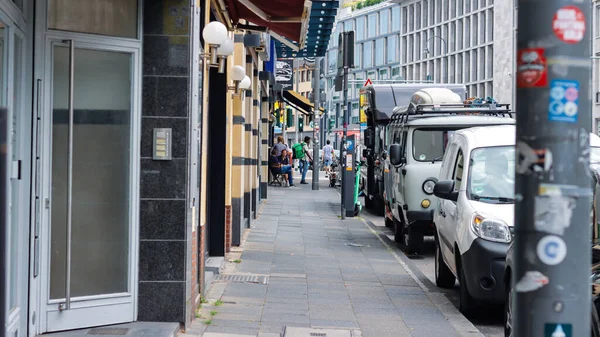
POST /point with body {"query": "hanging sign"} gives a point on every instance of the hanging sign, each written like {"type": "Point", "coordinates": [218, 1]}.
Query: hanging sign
{"type": "Point", "coordinates": [569, 24]}
{"type": "Point", "coordinates": [532, 69]}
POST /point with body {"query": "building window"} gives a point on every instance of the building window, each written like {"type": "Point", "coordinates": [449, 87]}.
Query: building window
{"type": "Point", "coordinates": [360, 28]}
{"type": "Point", "coordinates": [384, 22]}
{"type": "Point", "coordinates": [357, 54]}
{"type": "Point", "coordinates": [392, 46]}
{"type": "Point", "coordinates": [368, 54]}
{"type": "Point", "coordinates": [396, 19]}
{"type": "Point", "coordinates": [372, 25]}
{"type": "Point", "coordinates": [348, 25]}
{"type": "Point", "coordinates": [380, 51]}
{"type": "Point", "coordinates": [395, 71]}
{"type": "Point", "coordinates": [332, 57]}
{"type": "Point", "coordinates": [384, 74]}
{"type": "Point", "coordinates": [111, 17]}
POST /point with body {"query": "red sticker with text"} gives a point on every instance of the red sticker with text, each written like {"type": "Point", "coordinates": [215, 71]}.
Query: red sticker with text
{"type": "Point", "coordinates": [532, 69]}
{"type": "Point", "coordinates": [569, 24]}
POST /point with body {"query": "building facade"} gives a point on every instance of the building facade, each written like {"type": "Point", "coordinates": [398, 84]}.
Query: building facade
{"type": "Point", "coordinates": [136, 159]}
{"type": "Point", "coordinates": [444, 41]}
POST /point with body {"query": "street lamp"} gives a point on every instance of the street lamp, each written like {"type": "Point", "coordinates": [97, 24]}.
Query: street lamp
{"type": "Point", "coordinates": [426, 50]}
{"type": "Point", "coordinates": [238, 74]}
{"type": "Point", "coordinates": [224, 50]}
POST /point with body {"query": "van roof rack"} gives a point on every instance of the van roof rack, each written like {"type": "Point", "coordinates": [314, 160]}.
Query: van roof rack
{"type": "Point", "coordinates": [402, 114]}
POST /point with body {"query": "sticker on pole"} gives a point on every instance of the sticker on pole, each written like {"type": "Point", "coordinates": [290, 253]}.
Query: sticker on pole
{"type": "Point", "coordinates": [532, 69]}
{"type": "Point", "coordinates": [551, 250]}
{"type": "Point", "coordinates": [558, 330]}
{"type": "Point", "coordinates": [531, 281]}
{"type": "Point", "coordinates": [564, 101]}
{"type": "Point", "coordinates": [569, 24]}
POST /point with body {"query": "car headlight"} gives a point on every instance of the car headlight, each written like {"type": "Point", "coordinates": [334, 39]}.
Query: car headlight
{"type": "Point", "coordinates": [428, 186]}
{"type": "Point", "coordinates": [491, 229]}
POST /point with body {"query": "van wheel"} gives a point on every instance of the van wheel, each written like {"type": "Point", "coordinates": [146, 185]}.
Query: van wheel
{"type": "Point", "coordinates": [508, 314]}
{"type": "Point", "coordinates": [443, 275]}
{"type": "Point", "coordinates": [413, 239]}
{"type": "Point", "coordinates": [398, 226]}
{"type": "Point", "coordinates": [467, 303]}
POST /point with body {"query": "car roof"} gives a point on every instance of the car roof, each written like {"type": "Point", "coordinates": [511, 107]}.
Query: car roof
{"type": "Point", "coordinates": [501, 135]}
{"type": "Point", "coordinates": [444, 120]}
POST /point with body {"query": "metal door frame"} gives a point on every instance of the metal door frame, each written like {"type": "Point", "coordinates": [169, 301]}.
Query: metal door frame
{"type": "Point", "coordinates": [40, 237]}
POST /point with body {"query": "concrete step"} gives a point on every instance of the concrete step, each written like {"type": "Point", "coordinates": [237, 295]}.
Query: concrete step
{"type": "Point", "coordinates": [214, 264]}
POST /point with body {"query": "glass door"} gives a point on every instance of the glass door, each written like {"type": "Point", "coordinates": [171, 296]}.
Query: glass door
{"type": "Point", "coordinates": [89, 252]}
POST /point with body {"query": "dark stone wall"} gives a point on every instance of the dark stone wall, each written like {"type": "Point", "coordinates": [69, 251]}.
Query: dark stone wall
{"type": "Point", "coordinates": [163, 184]}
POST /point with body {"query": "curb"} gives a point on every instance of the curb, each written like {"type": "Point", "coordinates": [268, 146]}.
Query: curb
{"type": "Point", "coordinates": [459, 322]}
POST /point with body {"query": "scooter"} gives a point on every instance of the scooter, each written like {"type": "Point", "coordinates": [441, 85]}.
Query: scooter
{"type": "Point", "coordinates": [357, 204]}
{"type": "Point", "coordinates": [333, 174]}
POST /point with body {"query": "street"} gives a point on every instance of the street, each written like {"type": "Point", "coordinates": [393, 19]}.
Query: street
{"type": "Point", "coordinates": [489, 322]}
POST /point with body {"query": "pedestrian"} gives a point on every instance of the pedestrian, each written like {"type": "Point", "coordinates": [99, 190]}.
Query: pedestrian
{"type": "Point", "coordinates": [280, 146]}
{"type": "Point", "coordinates": [278, 168]}
{"type": "Point", "coordinates": [328, 157]}
{"type": "Point", "coordinates": [303, 155]}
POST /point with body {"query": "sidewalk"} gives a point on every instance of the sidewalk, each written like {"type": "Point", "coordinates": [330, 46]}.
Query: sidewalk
{"type": "Point", "coordinates": [304, 267]}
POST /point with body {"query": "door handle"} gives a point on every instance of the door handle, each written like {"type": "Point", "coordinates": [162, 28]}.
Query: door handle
{"type": "Point", "coordinates": [442, 213]}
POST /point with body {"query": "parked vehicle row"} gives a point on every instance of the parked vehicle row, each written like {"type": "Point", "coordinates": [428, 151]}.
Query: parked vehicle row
{"type": "Point", "coordinates": [448, 171]}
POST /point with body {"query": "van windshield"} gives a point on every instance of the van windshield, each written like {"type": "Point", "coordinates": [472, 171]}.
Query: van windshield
{"type": "Point", "coordinates": [492, 174]}
{"type": "Point", "coordinates": [430, 144]}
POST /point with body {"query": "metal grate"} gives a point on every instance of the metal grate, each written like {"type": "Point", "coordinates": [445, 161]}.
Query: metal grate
{"type": "Point", "coordinates": [318, 334]}
{"type": "Point", "coordinates": [108, 331]}
{"type": "Point", "coordinates": [244, 278]}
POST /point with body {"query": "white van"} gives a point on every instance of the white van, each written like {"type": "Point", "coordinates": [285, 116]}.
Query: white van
{"type": "Point", "coordinates": [418, 135]}
{"type": "Point", "coordinates": [474, 218]}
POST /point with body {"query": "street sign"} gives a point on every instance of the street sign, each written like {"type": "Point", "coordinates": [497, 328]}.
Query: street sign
{"type": "Point", "coordinates": [368, 82]}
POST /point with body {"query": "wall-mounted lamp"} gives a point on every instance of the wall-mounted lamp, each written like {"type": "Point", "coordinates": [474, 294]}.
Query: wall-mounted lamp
{"type": "Point", "coordinates": [215, 34]}
{"type": "Point", "coordinates": [238, 74]}
{"type": "Point", "coordinates": [224, 50]}
{"type": "Point", "coordinates": [245, 84]}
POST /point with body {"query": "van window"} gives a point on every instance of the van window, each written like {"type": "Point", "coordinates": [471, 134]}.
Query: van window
{"type": "Point", "coordinates": [492, 174]}
{"type": "Point", "coordinates": [458, 170]}
{"type": "Point", "coordinates": [430, 144]}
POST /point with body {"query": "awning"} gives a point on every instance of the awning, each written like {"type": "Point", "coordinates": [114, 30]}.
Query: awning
{"type": "Point", "coordinates": [299, 102]}
{"type": "Point", "coordinates": [288, 19]}
{"type": "Point", "coordinates": [320, 26]}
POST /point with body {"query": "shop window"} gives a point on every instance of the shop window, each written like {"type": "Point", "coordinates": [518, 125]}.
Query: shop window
{"type": "Point", "coordinates": [108, 17]}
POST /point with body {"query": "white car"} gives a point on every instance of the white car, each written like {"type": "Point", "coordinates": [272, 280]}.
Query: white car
{"type": "Point", "coordinates": [475, 212]}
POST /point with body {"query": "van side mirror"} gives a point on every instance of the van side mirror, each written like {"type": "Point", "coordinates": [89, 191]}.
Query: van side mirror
{"type": "Point", "coordinates": [369, 137]}
{"type": "Point", "coordinates": [445, 190]}
{"type": "Point", "coordinates": [396, 155]}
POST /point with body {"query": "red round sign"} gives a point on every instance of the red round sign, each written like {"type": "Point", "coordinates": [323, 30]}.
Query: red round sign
{"type": "Point", "coordinates": [569, 24]}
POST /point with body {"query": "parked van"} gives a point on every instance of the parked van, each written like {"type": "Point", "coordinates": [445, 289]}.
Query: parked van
{"type": "Point", "coordinates": [474, 218]}
{"type": "Point", "coordinates": [419, 134]}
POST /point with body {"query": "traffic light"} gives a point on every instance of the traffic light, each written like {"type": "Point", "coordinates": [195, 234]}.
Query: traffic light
{"type": "Point", "coordinates": [300, 124]}
{"type": "Point", "coordinates": [277, 118]}
{"type": "Point", "coordinates": [290, 117]}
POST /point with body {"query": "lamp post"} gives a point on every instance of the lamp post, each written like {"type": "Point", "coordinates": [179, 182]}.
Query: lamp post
{"type": "Point", "coordinates": [426, 51]}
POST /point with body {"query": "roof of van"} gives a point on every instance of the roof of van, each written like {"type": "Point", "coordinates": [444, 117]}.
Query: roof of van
{"type": "Point", "coordinates": [502, 135]}
{"type": "Point", "coordinates": [389, 96]}
{"type": "Point", "coordinates": [446, 120]}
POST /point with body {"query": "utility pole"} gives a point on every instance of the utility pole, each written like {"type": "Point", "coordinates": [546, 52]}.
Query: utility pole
{"type": "Point", "coordinates": [347, 59]}
{"type": "Point", "coordinates": [553, 195]}
{"type": "Point", "coordinates": [297, 63]}
{"type": "Point", "coordinates": [3, 223]}
{"type": "Point", "coordinates": [316, 115]}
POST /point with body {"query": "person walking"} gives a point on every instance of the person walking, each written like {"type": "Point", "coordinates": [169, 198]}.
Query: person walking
{"type": "Point", "coordinates": [302, 153]}
{"type": "Point", "coordinates": [328, 156]}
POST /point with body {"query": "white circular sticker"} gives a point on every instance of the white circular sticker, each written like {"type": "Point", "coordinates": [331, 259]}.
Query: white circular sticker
{"type": "Point", "coordinates": [422, 157]}
{"type": "Point", "coordinates": [551, 250]}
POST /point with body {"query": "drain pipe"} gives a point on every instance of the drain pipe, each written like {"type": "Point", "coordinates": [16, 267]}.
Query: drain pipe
{"type": "Point", "coordinates": [3, 222]}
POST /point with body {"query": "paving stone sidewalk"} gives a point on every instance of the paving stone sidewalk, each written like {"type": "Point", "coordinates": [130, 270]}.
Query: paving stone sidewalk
{"type": "Point", "coordinates": [304, 267]}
